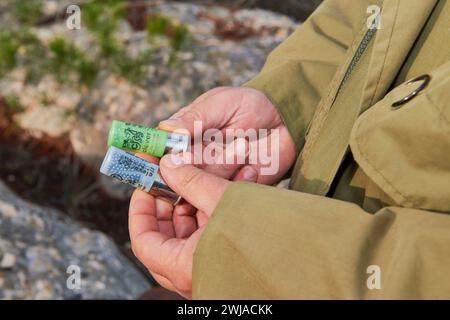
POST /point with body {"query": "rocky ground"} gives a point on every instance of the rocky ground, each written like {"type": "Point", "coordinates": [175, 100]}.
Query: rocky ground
{"type": "Point", "coordinates": [226, 48]}
{"type": "Point", "coordinates": [298, 9]}
{"type": "Point", "coordinates": [37, 247]}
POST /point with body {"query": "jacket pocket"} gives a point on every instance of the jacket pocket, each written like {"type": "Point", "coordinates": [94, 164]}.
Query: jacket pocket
{"type": "Point", "coordinates": [406, 151]}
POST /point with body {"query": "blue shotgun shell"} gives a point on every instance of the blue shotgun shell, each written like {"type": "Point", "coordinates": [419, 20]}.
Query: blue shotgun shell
{"type": "Point", "coordinates": [138, 173]}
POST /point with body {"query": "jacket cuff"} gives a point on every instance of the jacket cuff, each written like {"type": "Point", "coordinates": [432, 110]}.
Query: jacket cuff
{"type": "Point", "coordinates": [281, 89]}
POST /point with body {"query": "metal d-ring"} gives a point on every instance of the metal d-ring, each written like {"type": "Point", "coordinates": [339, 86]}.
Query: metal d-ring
{"type": "Point", "coordinates": [425, 81]}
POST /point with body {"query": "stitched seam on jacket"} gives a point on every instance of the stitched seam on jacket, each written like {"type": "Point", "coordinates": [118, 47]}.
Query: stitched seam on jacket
{"type": "Point", "coordinates": [440, 113]}
{"type": "Point", "coordinates": [324, 109]}
{"type": "Point", "coordinates": [311, 133]}
{"type": "Point", "coordinates": [385, 56]}
{"type": "Point", "coordinates": [259, 282]}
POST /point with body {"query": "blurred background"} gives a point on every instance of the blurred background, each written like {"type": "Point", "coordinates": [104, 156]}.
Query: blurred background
{"type": "Point", "coordinates": [137, 61]}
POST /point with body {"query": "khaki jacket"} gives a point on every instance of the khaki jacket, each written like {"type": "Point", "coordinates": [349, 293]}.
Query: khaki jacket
{"type": "Point", "coordinates": [370, 191]}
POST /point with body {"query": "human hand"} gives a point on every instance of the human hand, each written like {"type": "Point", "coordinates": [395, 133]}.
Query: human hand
{"type": "Point", "coordinates": [163, 237]}
{"type": "Point", "coordinates": [239, 108]}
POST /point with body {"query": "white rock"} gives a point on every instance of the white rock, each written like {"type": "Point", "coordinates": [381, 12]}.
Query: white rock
{"type": "Point", "coordinates": [34, 261]}
{"type": "Point", "coordinates": [8, 261]}
{"type": "Point", "coordinates": [52, 120]}
{"type": "Point", "coordinates": [7, 210]}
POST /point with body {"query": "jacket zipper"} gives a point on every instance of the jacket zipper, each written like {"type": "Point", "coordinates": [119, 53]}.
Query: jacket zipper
{"type": "Point", "coordinates": [354, 62]}
{"type": "Point", "coordinates": [356, 57]}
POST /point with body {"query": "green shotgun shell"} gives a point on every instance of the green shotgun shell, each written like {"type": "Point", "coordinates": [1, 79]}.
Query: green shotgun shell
{"type": "Point", "coordinates": [137, 138]}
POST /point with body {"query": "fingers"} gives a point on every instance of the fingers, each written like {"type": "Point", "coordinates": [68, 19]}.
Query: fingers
{"type": "Point", "coordinates": [148, 157]}
{"type": "Point", "coordinates": [202, 218]}
{"type": "Point", "coordinates": [163, 281]}
{"type": "Point", "coordinates": [203, 190]}
{"type": "Point", "coordinates": [149, 244]}
{"type": "Point", "coordinates": [184, 220]}
{"type": "Point", "coordinates": [213, 110]}
{"type": "Point", "coordinates": [225, 161]}
{"type": "Point", "coordinates": [208, 94]}
{"type": "Point", "coordinates": [275, 156]}
{"type": "Point", "coordinates": [152, 231]}
{"type": "Point", "coordinates": [199, 99]}
{"type": "Point", "coordinates": [164, 215]}
{"type": "Point", "coordinates": [170, 125]}
{"type": "Point", "coordinates": [142, 214]}
{"type": "Point", "coordinates": [247, 173]}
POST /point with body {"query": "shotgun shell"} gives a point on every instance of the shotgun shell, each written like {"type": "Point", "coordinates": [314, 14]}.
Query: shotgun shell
{"type": "Point", "coordinates": [138, 173]}
{"type": "Point", "coordinates": [136, 138]}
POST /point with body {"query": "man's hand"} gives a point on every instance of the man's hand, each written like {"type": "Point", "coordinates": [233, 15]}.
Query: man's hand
{"type": "Point", "coordinates": [163, 237]}
{"type": "Point", "coordinates": [237, 108]}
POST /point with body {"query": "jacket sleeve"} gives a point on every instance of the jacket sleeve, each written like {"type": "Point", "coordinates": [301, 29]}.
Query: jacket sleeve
{"type": "Point", "coordinates": [297, 73]}
{"type": "Point", "coordinates": [319, 248]}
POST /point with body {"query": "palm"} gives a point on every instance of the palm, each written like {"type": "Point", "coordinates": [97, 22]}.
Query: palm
{"type": "Point", "coordinates": [172, 232]}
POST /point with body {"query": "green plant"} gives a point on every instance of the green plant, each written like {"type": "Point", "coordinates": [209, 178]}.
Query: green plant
{"type": "Point", "coordinates": [45, 100]}
{"type": "Point", "coordinates": [67, 62]}
{"type": "Point", "coordinates": [101, 15]}
{"type": "Point", "coordinates": [13, 102]}
{"type": "Point", "coordinates": [132, 69]}
{"type": "Point", "coordinates": [177, 41]}
{"type": "Point", "coordinates": [178, 35]}
{"type": "Point", "coordinates": [26, 12]}
{"type": "Point", "coordinates": [101, 19]}
{"type": "Point", "coordinates": [157, 26]}
{"type": "Point", "coordinates": [19, 46]}
{"type": "Point", "coordinates": [63, 54]}
{"type": "Point", "coordinates": [87, 71]}
{"type": "Point", "coordinates": [8, 49]}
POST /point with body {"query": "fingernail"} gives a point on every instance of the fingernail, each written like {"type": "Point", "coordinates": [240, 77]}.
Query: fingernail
{"type": "Point", "coordinates": [172, 161]}
{"type": "Point", "coordinates": [171, 123]}
{"type": "Point", "coordinates": [249, 174]}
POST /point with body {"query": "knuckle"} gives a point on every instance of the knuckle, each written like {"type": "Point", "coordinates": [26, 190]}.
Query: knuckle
{"type": "Point", "coordinates": [223, 170]}
{"type": "Point", "coordinates": [194, 114]}
{"type": "Point", "coordinates": [190, 179]}
{"type": "Point", "coordinates": [180, 113]}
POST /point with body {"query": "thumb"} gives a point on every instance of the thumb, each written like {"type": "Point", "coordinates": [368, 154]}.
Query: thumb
{"type": "Point", "coordinates": [201, 189]}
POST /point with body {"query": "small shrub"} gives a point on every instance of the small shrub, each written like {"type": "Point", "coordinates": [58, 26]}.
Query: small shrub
{"type": "Point", "coordinates": [101, 19]}
{"type": "Point", "coordinates": [180, 37]}
{"type": "Point", "coordinates": [13, 102]}
{"type": "Point", "coordinates": [8, 49]}
{"type": "Point", "coordinates": [132, 69]}
{"type": "Point", "coordinates": [87, 71]}
{"type": "Point", "coordinates": [157, 26]}
{"type": "Point", "coordinates": [19, 47]}
{"type": "Point", "coordinates": [67, 62]}
{"type": "Point", "coordinates": [26, 12]}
